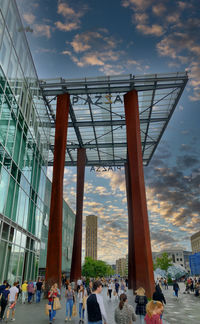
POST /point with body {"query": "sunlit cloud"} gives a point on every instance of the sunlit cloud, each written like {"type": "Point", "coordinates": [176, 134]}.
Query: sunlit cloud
{"type": "Point", "coordinates": [42, 30]}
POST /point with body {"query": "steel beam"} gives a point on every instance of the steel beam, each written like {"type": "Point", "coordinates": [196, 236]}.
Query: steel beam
{"type": "Point", "coordinates": [77, 246]}
{"type": "Point", "coordinates": [54, 249]}
{"type": "Point", "coordinates": [139, 233]}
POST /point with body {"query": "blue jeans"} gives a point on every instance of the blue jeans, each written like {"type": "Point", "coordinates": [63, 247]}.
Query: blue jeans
{"type": "Point", "coordinates": [142, 319]}
{"type": "Point", "coordinates": [30, 295]}
{"type": "Point", "coordinates": [38, 295]}
{"type": "Point", "coordinates": [81, 309]}
{"type": "Point", "coordinates": [69, 306]}
{"type": "Point", "coordinates": [52, 313]}
{"type": "Point", "coordinates": [176, 292]}
{"type": "Point", "coordinates": [99, 322]}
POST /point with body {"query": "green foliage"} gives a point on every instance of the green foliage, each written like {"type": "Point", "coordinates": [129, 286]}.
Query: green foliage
{"type": "Point", "coordinates": [170, 281]}
{"type": "Point", "coordinates": [164, 262]}
{"type": "Point", "coordinates": [96, 268]}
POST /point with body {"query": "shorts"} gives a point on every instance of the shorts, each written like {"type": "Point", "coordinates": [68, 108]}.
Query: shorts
{"type": "Point", "coordinates": [10, 303]}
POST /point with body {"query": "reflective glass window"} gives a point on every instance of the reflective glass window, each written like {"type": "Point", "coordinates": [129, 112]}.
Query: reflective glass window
{"type": "Point", "coordinates": [10, 195]}
{"type": "Point", "coordinates": [4, 6]}
{"type": "Point", "coordinates": [3, 246]}
{"type": "Point", "coordinates": [5, 231]}
{"type": "Point", "coordinates": [17, 143]}
{"type": "Point", "coordinates": [1, 27]}
{"type": "Point", "coordinates": [11, 135]}
{"type": "Point", "coordinates": [5, 52]}
{"type": "Point", "coordinates": [4, 182]}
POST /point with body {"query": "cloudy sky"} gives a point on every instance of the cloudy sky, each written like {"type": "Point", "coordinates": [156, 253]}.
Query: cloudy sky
{"type": "Point", "coordinates": [73, 39]}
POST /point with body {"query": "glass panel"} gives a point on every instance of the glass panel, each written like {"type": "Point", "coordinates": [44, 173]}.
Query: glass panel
{"type": "Point", "coordinates": [5, 52]}
{"type": "Point", "coordinates": [5, 231]}
{"type": "Point", "coordinates": [17, 143]}
{"type": "Point", "coordinates": [4, 181]}
{"type": "Point", "coordinates": [9, 203]}
{"type": "Point", "coordinates": [2, 257]}
{"type": "Point", "coordinates": [13, 265]}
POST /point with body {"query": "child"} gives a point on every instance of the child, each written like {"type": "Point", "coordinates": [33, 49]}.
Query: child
{"type": "Point", "coordinates": [154, 311]}
{"type": "Point", "coordinates": [141, 301]}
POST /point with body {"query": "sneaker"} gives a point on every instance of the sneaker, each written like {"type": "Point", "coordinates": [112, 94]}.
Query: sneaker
{"type": "Point", "coordinates": [12, 319]}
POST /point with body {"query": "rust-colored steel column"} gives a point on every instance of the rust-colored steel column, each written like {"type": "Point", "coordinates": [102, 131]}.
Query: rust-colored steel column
{"type": "Point", "coordinates": [140, 235]}
{"type": "Point", "coordinates": [77, 246]}
{"type": "Point", "coordinates": [54, 249]}
{"type": "Point", "coordinates": [131, 265]}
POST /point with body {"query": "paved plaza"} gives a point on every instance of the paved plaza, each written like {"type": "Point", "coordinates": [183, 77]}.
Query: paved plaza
{"type": "Point", "coordinates": [185, 310]}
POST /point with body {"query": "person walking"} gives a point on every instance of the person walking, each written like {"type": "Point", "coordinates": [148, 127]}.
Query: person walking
{"type": "Point", "coordinates": [176, 288]}
{"type": "Point", "coordinates": [69, 294]}
{"type": "Point", "coordinates": [24, 291]}
{"type": "Point", "coordinates": [117, 288]}
{"type": "Point", "coordinates": [95, 307]}
{"type": "Point", "coordinates": [124, 313]}
{"type": "Point", "coordinates": [31, 291]}
{"type": "Point", "coordinates": [12, 301]}
{"type": "Point", "coordinates": [81, 295]}
{"type": "Point", "coordinates": [110, 288]}
{"type": "Point", "coordinates": [141, 301]}
{"type": "Point", "coordinates": [154, 312]}
{"type": "Point", "coordinates": [4, 296]}
{"type": "Point", "coordinates": [51, 295]}
{"type": "Point", "coordinates": [89, 288]}
{"type": "Point", "coordinates": [39, 285]}
{"type": "Point", "coordinates": [158, 295]}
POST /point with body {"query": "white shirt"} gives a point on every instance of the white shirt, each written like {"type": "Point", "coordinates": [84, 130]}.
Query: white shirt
{"type": "Point", "coordinates": [13, 291]}
{"type": "Point", "coordinates": [102, 309]}
{"type": "Point", "coordinates": [79, 282]}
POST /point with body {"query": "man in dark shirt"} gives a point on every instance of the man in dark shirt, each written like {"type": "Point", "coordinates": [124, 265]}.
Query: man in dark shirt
{"type": "Point", "coordinates": [38, 290]}
{"type": "Point", "coordinates": [95, 306]}
{"type": "Point", "coordinates": [4, 300]}
{"type": "Point", "coordinates": [3, 287]}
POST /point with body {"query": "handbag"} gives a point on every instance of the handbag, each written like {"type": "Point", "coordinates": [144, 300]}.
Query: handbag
{"type": "Point", "coordinates": [47, 309]}
{"type": "Point", "coordinates": [74, 311]}
{"type": "Point", "coordinates": [84, 301]}
{"type": "Point", "coordinates": [56, 304]}
{"type": "Point", "coordinates": [12, 305]}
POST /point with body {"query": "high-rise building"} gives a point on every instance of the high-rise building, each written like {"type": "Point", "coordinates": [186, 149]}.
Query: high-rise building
{"type": "Point", "coordinates": [121, 267]}
{"type": "Point", "coordinates": [24, 148]}
{"type": "Point", "coordinates": [91, 237]}
{"type": "Point", "coordinates": [195, 242]}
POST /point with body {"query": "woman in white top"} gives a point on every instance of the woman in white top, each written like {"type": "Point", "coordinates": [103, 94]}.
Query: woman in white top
{"type": "Point", "coordinates": [110, 288]}
{"type": "Point", "coordinates": [82, 294]}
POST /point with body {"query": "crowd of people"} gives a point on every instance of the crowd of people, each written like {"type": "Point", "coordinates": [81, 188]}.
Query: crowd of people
{"type": "Point", "coordinates": [86, 295]}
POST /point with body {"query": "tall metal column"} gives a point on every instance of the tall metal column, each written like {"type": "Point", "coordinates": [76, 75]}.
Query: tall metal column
{"type": "Point", "coordinates": [54, 249]}
{"type": "Point", "coordinates": [77, 246]}
{"type": "Point", "coordinates": [140, 235]}
{"type": "Point", "coordinates": [131, 265]}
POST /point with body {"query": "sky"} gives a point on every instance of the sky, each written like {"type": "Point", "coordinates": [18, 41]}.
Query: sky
{"type": "Point", "coordinates": [75, 39]}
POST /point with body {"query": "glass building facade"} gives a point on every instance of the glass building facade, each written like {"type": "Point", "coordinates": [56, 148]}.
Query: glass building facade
{"type": "Point", "coordinates": [23, 152]}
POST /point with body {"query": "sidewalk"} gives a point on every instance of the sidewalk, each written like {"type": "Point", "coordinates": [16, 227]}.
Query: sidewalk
{"type": "Point", "coordinates": [185, 310]}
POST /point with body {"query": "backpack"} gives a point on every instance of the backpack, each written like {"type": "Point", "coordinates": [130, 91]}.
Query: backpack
{"type": "Point", "coordinates": [141, 300]}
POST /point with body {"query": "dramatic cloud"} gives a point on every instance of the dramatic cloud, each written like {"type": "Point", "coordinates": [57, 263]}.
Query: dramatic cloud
{"type": "Point", "coordinates": [72, 16]}
{"type": "Point", "coordinates": [29, 18]}
{"type": "Point", "coordinates": [98, 48]}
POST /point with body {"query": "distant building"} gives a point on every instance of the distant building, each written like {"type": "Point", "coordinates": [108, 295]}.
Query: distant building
{"type": "Point", "coordinates": [91, 237]}
{"type": "Point", "coordinates": [121, 267]}
{"type": "Point", "coordinates": [195, 242]}
{"type": "Point", "coordinates": [178, 256]}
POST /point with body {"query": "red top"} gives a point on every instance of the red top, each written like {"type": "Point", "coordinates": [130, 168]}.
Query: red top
{"type": "Point", "coordinates": [155, 319]}
{"type": "Point", "coordinates": [54, 294]}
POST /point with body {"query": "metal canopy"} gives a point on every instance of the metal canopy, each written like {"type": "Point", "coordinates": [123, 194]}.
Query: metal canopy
{"type": "Point", "coordinates": [97, 117]}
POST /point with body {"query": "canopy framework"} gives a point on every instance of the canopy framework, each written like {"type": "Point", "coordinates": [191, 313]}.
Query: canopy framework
{"type": "Point", "coordinates": [97, 117]}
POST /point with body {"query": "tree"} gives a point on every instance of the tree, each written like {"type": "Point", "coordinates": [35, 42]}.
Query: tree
{"type": "Point", "coordinates": [96, 268]}
{"type": "Point", "coordinates": [163, 262]}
